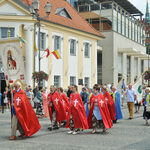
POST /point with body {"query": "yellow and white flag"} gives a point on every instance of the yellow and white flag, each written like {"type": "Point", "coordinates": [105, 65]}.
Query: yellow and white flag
{"type": "Point", "coordinates": [35, 49]}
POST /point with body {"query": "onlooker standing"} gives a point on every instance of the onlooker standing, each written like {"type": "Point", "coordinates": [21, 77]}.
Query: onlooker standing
{"type": "Point", "coordinates": [27, 91]}
{"type": "Point", "coordinates": [69, 91]}
{"type": "Point", "coordinates": [131, 98]}
{"type": "Point", "coordinates": [39, 110]}
{"type": "Point", "coordinates": [0, 98]}
{"type": "Point", "coordinates": [146, 114]}
{"type": "Point", "coordinates": [45, 104]}
{"type": "Point", "coordinates": [6, 98]}
{"type": "Point", "coordinates": [84, 95]}
{"type": "Point", "coordinates": [35, 90]}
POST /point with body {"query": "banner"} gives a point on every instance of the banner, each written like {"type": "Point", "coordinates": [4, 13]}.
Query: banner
{"type": "Point", "coordinates": [12, 60]}
{"type": "Point", "coordinates": [137, 86]}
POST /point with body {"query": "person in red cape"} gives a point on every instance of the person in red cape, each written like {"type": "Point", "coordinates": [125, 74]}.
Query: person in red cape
{"type": "Point", "coordinates": [110, 103]}
{"type": "Point", "coordinates": [79, 120]}
{"type": "Point", "coordinates": [45, 105]}
{"type": "Point", "coordinates": [56, 109]}
{"type": "Point", "coordinates": [23, 115]}
{"type": "Point", "coordinates": [66, 104]}
{"type": "Point", "coordinates": [99, 114]}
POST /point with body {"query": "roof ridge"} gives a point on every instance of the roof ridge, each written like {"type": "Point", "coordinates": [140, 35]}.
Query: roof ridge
{"type": "Point", "coordinates": [83, 19]}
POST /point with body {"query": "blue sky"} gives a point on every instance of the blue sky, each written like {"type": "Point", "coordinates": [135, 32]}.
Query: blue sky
{"type": "Point", "coordinates": [140, 4]}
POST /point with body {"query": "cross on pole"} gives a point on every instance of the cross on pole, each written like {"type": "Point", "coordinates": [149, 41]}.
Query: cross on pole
{"type": "Point", "coordinates": [75, 103]}
{"type": "Point", "coordinates": [18, 100]}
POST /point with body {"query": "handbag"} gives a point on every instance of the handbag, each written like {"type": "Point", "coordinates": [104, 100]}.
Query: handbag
{"type": "Point", "coordinates": [36, 100]}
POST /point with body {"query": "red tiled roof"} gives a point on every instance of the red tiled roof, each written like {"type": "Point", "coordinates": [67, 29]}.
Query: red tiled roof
{"type": "Point", "coordinates": [77, 22]}
{"type": "Point", "coordinates": [26, 2]}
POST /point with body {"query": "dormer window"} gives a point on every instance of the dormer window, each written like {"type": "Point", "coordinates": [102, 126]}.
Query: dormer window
{"type": "Point", "coordinates": [63, 12]}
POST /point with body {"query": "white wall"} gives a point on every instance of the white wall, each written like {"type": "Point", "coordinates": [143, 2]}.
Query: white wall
{"type": "Point", "coordinates": [57, 67]}
{"type": "Point", "coordinates": [73, 61]}
{"type": "Point", "coordinates": [111, 44]}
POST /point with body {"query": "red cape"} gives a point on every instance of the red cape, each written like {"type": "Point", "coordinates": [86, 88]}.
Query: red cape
{"type": "Point", "coordinates": [66, 105]}
{"type": "Point", "coordinates": [78, 112]}
{"type": "Point", "coordinates": [103, 110]}
{"type": "Point", "coordinates": [111, 105]}
{"type": "Point", "coordinates": [58, 105]}
{"type": "Point", "coordinates": [26, 114]}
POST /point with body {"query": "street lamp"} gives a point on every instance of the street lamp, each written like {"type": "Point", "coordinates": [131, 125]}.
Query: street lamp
{"type": "Point", "coordinates": [148, 52]}
{"type": "Point", "coordinates": [34, 11]}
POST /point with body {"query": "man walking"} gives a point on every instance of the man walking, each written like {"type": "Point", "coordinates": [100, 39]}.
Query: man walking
{"type": "Point", "coordinates": [131, 98]}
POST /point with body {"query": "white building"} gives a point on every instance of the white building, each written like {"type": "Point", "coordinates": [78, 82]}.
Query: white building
{"type": "Point", "coordinates": [124, 52]}
{"type": "Point", "coordinates": [64, 30]}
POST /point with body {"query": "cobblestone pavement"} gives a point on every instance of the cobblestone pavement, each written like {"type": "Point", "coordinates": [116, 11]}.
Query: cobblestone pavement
{"type": "Point", "coordinates": [125, 135]}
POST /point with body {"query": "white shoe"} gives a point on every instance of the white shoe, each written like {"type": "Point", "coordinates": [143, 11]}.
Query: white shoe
{"type": "Point", "coordinates": [74, 133]}
{"type": "Point", "coordinates": [70, 132]}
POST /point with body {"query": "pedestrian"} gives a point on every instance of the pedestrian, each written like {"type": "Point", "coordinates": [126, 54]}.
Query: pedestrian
{"type": "Point", "coordinates": [116, 97]}
{"type": "Point", "coordinates": [78, 120]}
{"type": "Point", "coordinates": [146, 114]}
{"type": "Point", "coordinates": [88, 101]}
{"type": "Point", "coordinates": [28, 93]}
{"type": "Point", "coordinates": [0, 98]}
{"type": "Point", "coordinates": [84, 95]}
{"type": "Point", "coordinates": [39, 107]}
{"type": "Point", "coordinates": [45, 103]}
{"type": "Point", "coordinates": [6, 100]}
{"type": "Point", "coordinates": [56, 109]}
{"type": "Point", "coordinates": [99, 116]}
{"type": "Point", "coordinates": [35, 90]}
{"type": "Point", "coordinates": [23, 116]}
{"type": "Point", "coordinates": [69, 91]}
{"type": "Point", "coordinates": [131, 98]}
{"type": "Point", "coordinates": [66, 105]}
{"type": "Point", "coordinates": [110, 103]}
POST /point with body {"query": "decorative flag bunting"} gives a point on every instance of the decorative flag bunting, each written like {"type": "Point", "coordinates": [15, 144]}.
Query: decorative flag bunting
{"type": "Point", "coordinates": [48, 53]}
{"type": "Point", "coordinates": [56, 54]}
{"type": "Point", "coordinates": [35, 49]}
{"type": "Point", "coordinates": [22, 40]}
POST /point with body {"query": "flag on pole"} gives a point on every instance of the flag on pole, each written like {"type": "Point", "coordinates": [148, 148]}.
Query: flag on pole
{"type": "Point", "coordinates": [48, 53]}
{"type": "Point", "coordinates": [22, 40]}
{"type": "Point", "coordinates": [123, 84]}
{"type": "Point", "coordinates": [56, 54]}
{"type": "Point", "coordinates": [35, 49]}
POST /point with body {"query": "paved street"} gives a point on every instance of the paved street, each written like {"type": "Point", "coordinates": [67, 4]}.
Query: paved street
{"type": "Point", "coordinates": [125, 135]}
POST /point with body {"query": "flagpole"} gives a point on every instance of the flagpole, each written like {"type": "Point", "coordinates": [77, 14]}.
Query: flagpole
{"type": "Point", "coordinates": [38, 18]}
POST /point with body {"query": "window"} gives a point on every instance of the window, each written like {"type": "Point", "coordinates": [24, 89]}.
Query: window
{"type": "Point", "coordinates": [73, 47]}
{"type": "Point", "coordinates": [57, 81]}
{"type": "Point", "coordinates": [57, 43]}
{"type": "Point", "coordinates": [135, 69]}
{"type": "Point", "coordinates": [4, 32]}
{"type": "Point", "coordinates": [119, 66]}
{"type": "Point", "coordinates": [128, 69]}
{"type": "Point", "coordinates": [115, 20]}
{"type": "Point", "coordinates": [87, 50]}
{"type": "Point", "coordinates": [142, 66]}
{"type": "Point", "coordinates": [127, 26]}
{"type": "Point", "coordinates": [1, 65]}
{"type": "Point", "coordinates": [43, 41]}
{"type": "Point", "coordinates": [72, 80]}
{"type": "Point", "coordinates": [63, 12]}
{"type": "Point", "coordinates": [87, 81]}
{"type": "Point", "coordinates": [119, 22]}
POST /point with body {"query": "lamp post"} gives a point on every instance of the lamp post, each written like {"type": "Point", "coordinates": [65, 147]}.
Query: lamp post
{"type": "Point", "coordinates": [34, 11]}
{"type": "Point", "coordinates": [148, 52]}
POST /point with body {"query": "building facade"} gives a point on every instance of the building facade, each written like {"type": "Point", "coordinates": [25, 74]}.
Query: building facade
{"type": "Point", "coordinates": [63, 30]}
{"type": "Point", "coordinates": [124, 52]}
